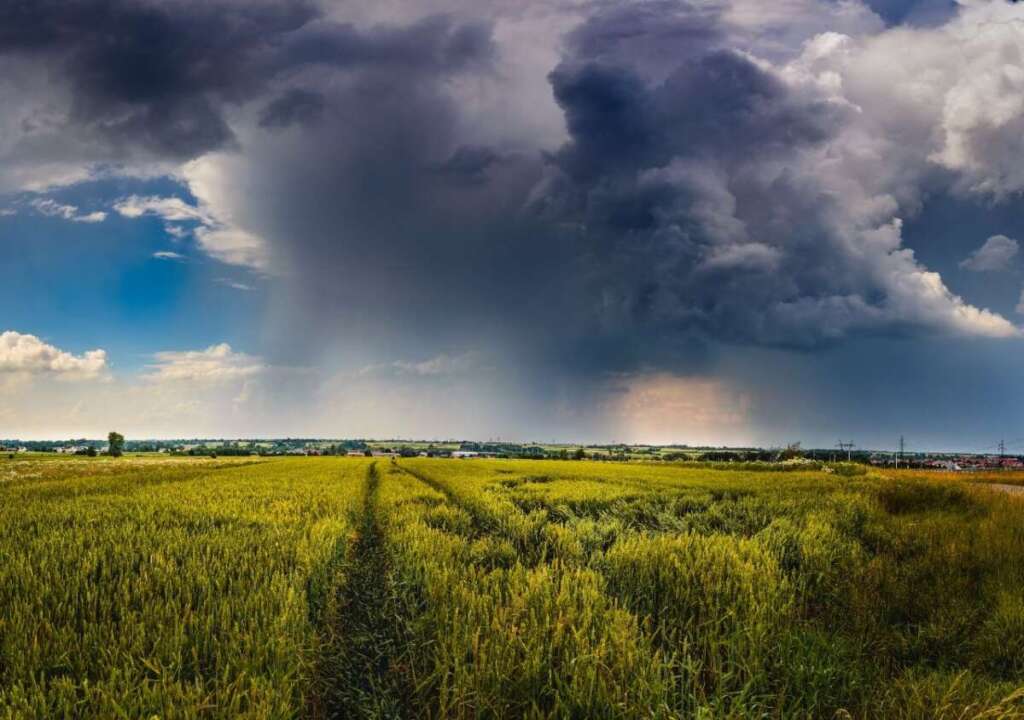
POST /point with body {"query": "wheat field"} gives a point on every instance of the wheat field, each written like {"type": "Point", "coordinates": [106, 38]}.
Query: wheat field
{"type": "Point", "coordinates": [430, 588]}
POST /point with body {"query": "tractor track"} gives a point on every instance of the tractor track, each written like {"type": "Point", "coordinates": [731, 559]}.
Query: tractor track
{"type": "Point", "coordinates": [363, 670]}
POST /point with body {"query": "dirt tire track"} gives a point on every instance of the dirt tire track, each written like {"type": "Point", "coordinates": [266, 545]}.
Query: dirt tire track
{"type": "Point", "coordinates": [362, 671]}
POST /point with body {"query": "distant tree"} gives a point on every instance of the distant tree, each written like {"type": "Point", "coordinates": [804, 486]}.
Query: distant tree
{"type": "Point", "coordinates": [580, 454]}
{"type": "Point", "coordinates": [792, 451]}
{"type": "Point", "coordinates": [116, 442]}
{"type": "Point", "coordinates": [91, 452]}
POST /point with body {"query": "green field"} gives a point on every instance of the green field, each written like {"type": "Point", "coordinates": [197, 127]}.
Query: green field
{"type": "Point", "coordinates": [355, 588]}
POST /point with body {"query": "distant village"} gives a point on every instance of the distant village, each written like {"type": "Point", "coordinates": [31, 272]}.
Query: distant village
{"type": "Point", "coordinates": [951, 462]}
{"type": "Point", "coordinates": [288, 446]}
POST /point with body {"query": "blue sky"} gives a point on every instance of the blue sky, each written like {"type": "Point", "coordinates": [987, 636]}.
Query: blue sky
{"type": "Point", "coordinates": [663, 221]}
{"type": "Point", "coordinates": [99, 284]}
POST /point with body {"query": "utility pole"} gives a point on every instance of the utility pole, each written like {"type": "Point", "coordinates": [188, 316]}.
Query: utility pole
{"type": "Point", "coordinates": [899, 454]}
{"type": "Point", "coordinates": [848, 447]}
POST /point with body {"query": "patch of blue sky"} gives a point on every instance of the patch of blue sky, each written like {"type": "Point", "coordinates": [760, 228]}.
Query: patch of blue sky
{"type": "Point", "coordinates": [99, 284]}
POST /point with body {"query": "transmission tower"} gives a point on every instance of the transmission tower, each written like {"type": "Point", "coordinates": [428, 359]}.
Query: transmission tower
{"type": "Point", "coordinates": [899, 453]}
{"type": "Point", "coordinates": [848, 447]}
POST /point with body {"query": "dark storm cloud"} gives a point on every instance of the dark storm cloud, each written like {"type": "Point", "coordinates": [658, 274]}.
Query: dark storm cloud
{"type": "Point", "coordinates": [718, 105]}
{"type": "Point", "coordinates": [152, 74]}
{"type": "Point", "coordinates": [468, 164]}
{"type": "Point", "coordinates": [437, 43]}
{"type": "Point", "coordinates": [683, 211]}
{"type": "Point", "coordinates": [295, 106]}
{"type": "Point", "coordinates": [664, 177]}
{"type": "Point", "coordinates": [156, 76]}
{"type": "Point", "coordinates": [655, 233]}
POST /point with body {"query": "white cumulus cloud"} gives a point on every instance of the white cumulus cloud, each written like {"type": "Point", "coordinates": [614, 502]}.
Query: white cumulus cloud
{"type": "Point", "coordinates": [217, 363]}
{"type": "Point", "coordinates": [28, 355]}
{"type": "Point", "coordinates": [168, 208]}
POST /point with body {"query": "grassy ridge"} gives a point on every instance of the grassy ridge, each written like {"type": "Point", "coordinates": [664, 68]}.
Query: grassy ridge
{"type": "Point", "coordinates": [493, 589]}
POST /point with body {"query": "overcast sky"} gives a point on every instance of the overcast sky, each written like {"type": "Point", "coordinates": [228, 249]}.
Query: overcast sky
{"type": "Point", "coordinates": [731, 222]}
